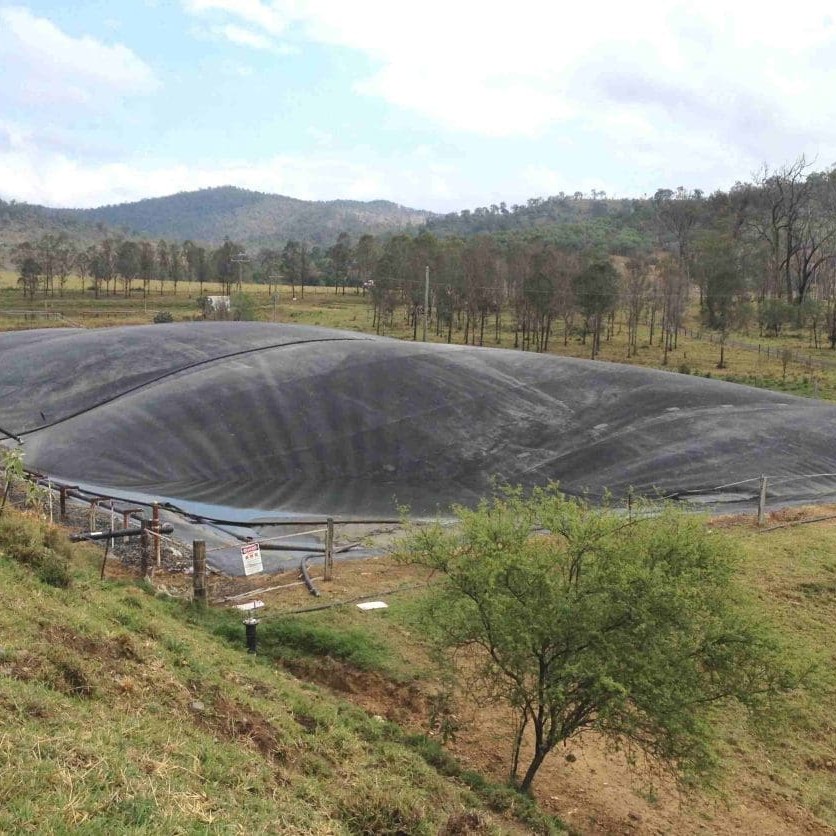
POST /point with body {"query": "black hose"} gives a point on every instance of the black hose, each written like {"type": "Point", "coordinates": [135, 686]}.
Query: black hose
{"type": "Point", "coordinates": [306, 577]}
{"type": "Point", "coordinates": [17, 438]}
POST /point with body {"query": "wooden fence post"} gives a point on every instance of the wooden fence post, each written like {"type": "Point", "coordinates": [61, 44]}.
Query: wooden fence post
{"type": "Point", "coordinates": [155, 528]}
{"type": "Point", "coordinates": [145, 551]}
{"type": "Point", "coordinates": [329, 550]}
{"type": "Point", "coordinates": [62, 502]}
{"type": "Point", "coordinates": [199, 571]}
{"type": "Point", "coordinates": [762, 500]}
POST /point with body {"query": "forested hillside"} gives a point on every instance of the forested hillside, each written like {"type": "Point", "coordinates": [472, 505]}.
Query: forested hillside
{"type": "Point", "coordinates": [209, 216]}
{"type": "Point", "coordinates": [23, 221]}
{"type": "Point", "coordinates": [254, 218]}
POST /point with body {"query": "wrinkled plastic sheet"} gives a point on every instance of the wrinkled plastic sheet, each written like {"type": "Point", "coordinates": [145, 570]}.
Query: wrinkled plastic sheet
{"type": "Point", "coordinates": [253, 418]}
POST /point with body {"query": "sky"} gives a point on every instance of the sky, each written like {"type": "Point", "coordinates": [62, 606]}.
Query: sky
{"type": "Point", "coordinates": [434, 105]}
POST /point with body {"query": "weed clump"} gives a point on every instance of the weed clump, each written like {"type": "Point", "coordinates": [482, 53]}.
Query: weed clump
{"type": "Point", "coordinates": [374, 809]}
{"type": "Point", "coordinates": [40, 547]}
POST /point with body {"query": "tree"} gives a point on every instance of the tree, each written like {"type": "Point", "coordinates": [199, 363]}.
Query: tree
{"type": "Point", "coordinates": [226, 266]}
{"type": "Point", "coordinates": [64, 260]}
{"type": "Point", "coordinates": [596, 293]}
{"type": "Point", "coordinates": [48, 246]}
{"type": "Point", "coordinates": [340, 255]}
{"type": "Point", "coordinates": [629, 627]}
{"type": "Point", "coordinates": [677, 217]}
{"type": "Point", "coordinates": [726, 297]}
{"type": "Point", "coordinates": [191, 258]}
{"type": "Point", "coordinates": [163, 263]}
{"type": "Point", "coordinates": [672, 288]}
{"type": "Point", "coordinates": [366, 254]}
{"type": "Point", "coordinates": [292, 265]}
{"type": "Point", "coordinates": [202, 269]}
{"type": "Point", "coordinates": [175, 264]}
{"type": "Point", "coordinates": [128, 263]}
{"type": "Point", "coordinates": [773, 210]}
{"type": "Point", "coordinates": [147, 262]}
{"type": "Point", "coordinates": [29, 270]}
{"type": "Point", "coordinates": [243, 308]}
{"type": "Point", "coordinates": [270, 266]}
{"type": "Point", "coordinates": [636, 290]}
{"type": "Point", "coordinates": [83, 260]}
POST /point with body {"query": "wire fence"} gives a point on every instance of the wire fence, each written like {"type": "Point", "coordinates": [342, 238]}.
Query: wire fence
{"type": "Point", "coordinates": [141, 519]}
{"type": "Point", "coordinates": [771, 352]}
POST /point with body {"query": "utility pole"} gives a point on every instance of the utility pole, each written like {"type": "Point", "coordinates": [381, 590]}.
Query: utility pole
{"type": "Point", "coordinates": [239, 260]}
{"type": "Point", "coordinates": [275, 277]}
{"type": "Point", "coordinates": [426, 299]}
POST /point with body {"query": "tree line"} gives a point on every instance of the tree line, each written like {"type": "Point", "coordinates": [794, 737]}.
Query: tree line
{"type": "Point", "coordinates": [762, 253]}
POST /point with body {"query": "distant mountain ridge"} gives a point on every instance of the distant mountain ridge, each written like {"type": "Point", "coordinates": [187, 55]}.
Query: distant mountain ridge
{"type": "Point", "coordinates": [208, 216]}
{"type": "Point", "coordinates": [248, 217]}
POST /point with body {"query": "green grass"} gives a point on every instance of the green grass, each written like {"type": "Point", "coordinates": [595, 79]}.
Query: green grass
{"type": "Point", "coordinates": [297, 637]}
{"type": "Point", "coordinates": [793, 574]}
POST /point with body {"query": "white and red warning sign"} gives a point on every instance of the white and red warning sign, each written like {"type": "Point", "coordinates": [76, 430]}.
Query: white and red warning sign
{"type": "Point", "coordinates": [251, 556]}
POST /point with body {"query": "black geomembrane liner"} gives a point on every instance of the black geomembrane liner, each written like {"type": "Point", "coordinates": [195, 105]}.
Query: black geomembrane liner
{"type": "Point", "coordinates": [305, 420]}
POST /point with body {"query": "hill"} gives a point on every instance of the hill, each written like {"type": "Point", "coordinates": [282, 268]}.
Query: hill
{"type": "Point", "coordinates": [25, 222]}
{"type": "Point", "coordinates": [208, 216]}
{"type": "Point", "coordinates": [251, 218]}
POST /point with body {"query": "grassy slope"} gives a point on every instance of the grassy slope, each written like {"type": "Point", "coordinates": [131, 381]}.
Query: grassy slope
{"type": "Point", "coordinates": [792, 572]}
{"type": "Point", "coordinates": [124, 712]}
{"type": "Point", "coordinates": [129, 712]}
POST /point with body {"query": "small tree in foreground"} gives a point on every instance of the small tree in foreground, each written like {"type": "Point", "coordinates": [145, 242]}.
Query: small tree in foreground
{"type": "Point", "coordinates": [631, 628]}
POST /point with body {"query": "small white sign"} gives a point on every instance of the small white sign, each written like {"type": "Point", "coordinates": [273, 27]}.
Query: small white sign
{"type": "Point", "coordinates": [251, 555]}
{"type": "Point", "coordinates": [250, 606]}
{"type": "Point", "coordinates": [372, 605]}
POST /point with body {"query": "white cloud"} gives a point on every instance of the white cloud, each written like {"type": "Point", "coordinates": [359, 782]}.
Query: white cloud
{"type": "Point", "coordinates": [259, 15]}
{"type": "Point", "coordinates": [43, 65]}
{"type": "Point", "coordinates": [56, 179]}
{"type": "Point", "coordinates": [738, 74]}
{"type": "Point", "coordinates": [243, 37]}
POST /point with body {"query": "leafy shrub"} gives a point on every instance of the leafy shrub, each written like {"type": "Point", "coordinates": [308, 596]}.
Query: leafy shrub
{"type": "Point", "coordinates": [163, 316]}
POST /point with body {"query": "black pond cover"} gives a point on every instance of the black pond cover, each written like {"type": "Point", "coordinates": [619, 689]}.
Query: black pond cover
{"type": "Point", "coordinates": [300, 420]}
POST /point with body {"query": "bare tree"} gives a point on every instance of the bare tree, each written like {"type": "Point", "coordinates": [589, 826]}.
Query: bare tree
{"type": "Point", "coordinates": [775, 206]}
{"type": "Point", "coordinates": [636, 285]}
